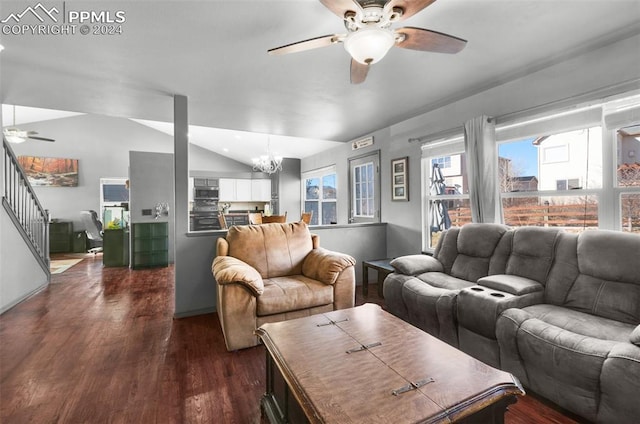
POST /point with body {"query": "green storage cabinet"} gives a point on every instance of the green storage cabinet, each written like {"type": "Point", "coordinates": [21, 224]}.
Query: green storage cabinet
{"type": "Point", "coordinates": [80, 242]}
{"type": "Point", "coordinates": [149, 245]}
{"type": "Point", "coordinates": [115, 248]}
{"type": "Point", "coordinates": [60, 237]}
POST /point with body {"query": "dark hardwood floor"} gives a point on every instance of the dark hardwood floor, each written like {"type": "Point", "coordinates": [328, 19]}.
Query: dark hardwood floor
{"type": "Point", "coordinates": [100, 345]}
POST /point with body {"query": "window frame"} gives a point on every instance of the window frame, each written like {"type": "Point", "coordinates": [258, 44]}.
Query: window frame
{"type": "Point", "coordinates": [369, 157]}
{"type": "Point", "coordinates": [320, 174]}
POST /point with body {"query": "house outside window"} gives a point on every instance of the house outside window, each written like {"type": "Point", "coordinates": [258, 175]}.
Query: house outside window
{"type": "Point", "coordinates": [568, 169]}
{"type": "Point", "coordinates": [320, 195]}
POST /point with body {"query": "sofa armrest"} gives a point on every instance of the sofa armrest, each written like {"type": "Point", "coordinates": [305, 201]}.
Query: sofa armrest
{"type": "Point", "coordinates": [512, 284]}
{"type": "Point", "coordinates": [227, 270]}
{"type": "Point", "coordinates": [325, 265]}
{"type": "Point", "coordinates": [416, 264]}
{"type": "Point", "coordinates": [478, 307]}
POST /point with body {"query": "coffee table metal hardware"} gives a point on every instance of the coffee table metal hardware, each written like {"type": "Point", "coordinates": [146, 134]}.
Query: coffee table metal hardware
{"type": "Point", "coordinates": [412, 386]}
{"type": "Point", "coordinates": [364, 347]}
{"type": "Point", "coordinates": [331, 322]}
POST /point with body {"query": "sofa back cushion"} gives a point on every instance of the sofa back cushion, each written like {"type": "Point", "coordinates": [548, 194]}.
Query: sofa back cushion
{"type": "Point", "coordinates": [597, 272]}
{"type": "Point", "coordinates": [532, 252]}
{"type": "Point", "coordinates": [466, 252]}
{"type": "Point", "coordinates": [274, 250]}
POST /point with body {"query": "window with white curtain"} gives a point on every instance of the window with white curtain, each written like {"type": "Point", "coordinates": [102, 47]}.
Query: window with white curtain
{"type": "Point", "coordinates": [576, 169]}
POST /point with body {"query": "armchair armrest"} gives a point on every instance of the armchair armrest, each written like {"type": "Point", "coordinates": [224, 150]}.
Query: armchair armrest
{"type": "Point", "coordinates": [416, 264]}
{"type": "Point", "coordinates": [325, 265]}
{"type": "Point", "coordinates": [512, 284]}
{"type": "Point", "coordinates": [227, 269]}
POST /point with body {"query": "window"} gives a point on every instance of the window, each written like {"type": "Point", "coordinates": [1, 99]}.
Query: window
{"type": "Point", "coordinates": [364, 186]}
{"type": "Point", "coordinates": [628, 176]}
{"type": "Point", "coordinates": [114, 200]}
{"type": "Point", "coordinates": [364, 195]}
{"type": "Point", "coordinates": [442, 162]}
{"type": "Point", "coordinates": [575, 169]}
{"type": "Point", "coordinates": [559, 162]}
{"type": "Point", "coordinates": [320, 196]}
{"type": "Point", "coordinates": [447, 195]}
{"type": "Point", "coordinates": [555, 154]}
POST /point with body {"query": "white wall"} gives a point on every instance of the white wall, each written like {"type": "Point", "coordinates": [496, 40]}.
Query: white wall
{"type": "Point", "coordinates": [151, 182]}
{"type": "Point", "coordinates": [102, 145]}
{"type": "Point", "coordinates": [20, 272]}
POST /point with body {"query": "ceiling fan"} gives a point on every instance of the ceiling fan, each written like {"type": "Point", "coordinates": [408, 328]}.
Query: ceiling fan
{"type": "Point", "coordinates": [16, 135]}
{"type": "Point", "coordinates": [370, 36]}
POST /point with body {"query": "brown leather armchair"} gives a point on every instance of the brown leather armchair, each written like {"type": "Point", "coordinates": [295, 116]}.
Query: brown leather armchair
{"type": "Point", "coordinates": [275, 272]}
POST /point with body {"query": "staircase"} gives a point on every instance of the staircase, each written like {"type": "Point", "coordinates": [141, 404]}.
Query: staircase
{"type": "Point", "coordinates": [23, 208]}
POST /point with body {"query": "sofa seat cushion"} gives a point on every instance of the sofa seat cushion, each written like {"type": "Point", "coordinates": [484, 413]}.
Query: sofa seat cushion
{"type": "Point", "coordinates": [444, 281]}
{"type": "Point", "coordinates": [559, 363]}
{"type": "Point", "coordinates": [581, 323]}
{"type": "Point", "coordinates": [291, 293]}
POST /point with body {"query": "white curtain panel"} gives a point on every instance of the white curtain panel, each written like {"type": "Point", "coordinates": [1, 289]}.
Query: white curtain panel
{"type": "Point", "coordinates": [482, 169]}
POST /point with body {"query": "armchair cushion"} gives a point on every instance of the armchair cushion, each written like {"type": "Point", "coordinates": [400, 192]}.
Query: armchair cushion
{"type": "Point", "coordinates": [227, 269]}
{"type": "Point", "coordinates": [416, 264]}
{"type": "Point", "coordinates": [292, 293]}
{"type": "Point", "coordinates": [325, 265]}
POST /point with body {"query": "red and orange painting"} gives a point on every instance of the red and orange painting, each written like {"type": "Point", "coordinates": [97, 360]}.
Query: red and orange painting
{"type": "Point", "coordinates": [51, 172]}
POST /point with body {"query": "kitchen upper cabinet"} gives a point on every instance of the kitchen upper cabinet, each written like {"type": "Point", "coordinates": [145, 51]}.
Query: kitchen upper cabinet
{"type": "Point", "coordinates": [227, 189]}
{"type": "Point", "coordinates": [244, 190]}
{"type": "Point", "coordinates": [261, 190]}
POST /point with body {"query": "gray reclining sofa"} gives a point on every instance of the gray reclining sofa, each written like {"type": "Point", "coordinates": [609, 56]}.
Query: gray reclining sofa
{"type": "Point", "coordinates": [560, 311]}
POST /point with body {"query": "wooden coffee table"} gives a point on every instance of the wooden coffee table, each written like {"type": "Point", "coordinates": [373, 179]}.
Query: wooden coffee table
{"type": "Point", "coordinates": [365, 365]}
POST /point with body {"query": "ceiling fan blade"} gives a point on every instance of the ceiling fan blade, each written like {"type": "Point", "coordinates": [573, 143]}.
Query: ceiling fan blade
{"type": "Point", "coordinates": [429, 41]}
{"type": "Point", "coordinates": [41, 138]}
{"type": "Point", "coordinates": [358, 72]}
{"type": "Point", "coordinates": [409, 7]}
{"type": "Point", "coordinates": [299, 46]}
{"type": "Point", "coordinates": [341, 7]}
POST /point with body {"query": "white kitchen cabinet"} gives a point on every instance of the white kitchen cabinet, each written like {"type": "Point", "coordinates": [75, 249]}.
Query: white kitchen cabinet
{"type": "Point", "coordinates": [244, 190]}
{"type": "Point", "coordinates": [227, 191]}
{"type": "Point", "coordinates": [261, 190]}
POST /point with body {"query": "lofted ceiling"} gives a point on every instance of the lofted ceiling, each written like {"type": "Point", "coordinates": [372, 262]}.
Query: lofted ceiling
{"type": "Point", "coordinates": [215, 53]}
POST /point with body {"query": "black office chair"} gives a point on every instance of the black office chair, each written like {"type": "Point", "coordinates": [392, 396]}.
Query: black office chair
{"type": "Point", "coordinates": [93, 229]}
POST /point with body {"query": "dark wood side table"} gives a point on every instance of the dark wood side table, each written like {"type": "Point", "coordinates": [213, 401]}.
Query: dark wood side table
{"type": "Point", "coordinates": [383, 268]}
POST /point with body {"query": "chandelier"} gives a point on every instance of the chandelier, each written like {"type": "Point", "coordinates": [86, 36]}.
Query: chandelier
{"type": "Point", "coordinates": [268, 163]}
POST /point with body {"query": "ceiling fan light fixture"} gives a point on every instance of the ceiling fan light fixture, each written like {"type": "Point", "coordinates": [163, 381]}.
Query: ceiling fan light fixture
{"type": "Point", "coordinates": [14, 138]}
{"type": "Point", "coordinates": [370, 44]}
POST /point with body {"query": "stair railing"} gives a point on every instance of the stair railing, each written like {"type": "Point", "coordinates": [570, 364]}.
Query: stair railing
{"type": "Point", "coordinates": [24, 208]}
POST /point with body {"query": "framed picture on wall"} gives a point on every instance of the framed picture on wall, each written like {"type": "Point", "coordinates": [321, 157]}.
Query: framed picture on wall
{"type": "Point", "coordinates": [50, 172]}
{"type": "Point", "coordinates": [400, 179]}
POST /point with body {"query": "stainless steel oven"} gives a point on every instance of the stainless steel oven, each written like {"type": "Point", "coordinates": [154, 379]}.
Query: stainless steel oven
{"type": "Point", "coordinates": [202, 221]}
{"type": "Point", "coordinates": [204, 212]}
{"type": "Point", "coordinates": [205, 193]}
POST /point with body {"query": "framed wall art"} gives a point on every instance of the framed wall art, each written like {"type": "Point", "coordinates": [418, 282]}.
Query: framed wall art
{"type": "Point", "coordinates": [400, 179]}
{"type": "Point", "coordinates": [50, 172]}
